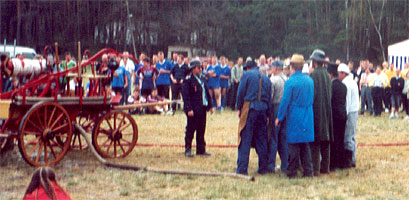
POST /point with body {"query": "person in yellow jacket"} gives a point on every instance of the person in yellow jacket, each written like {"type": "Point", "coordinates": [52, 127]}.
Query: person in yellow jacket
{"type": "Point", "coordinates": [404, 71]}
{"type": "Point", "coordinates": [377, 82]}
{"type": "Point", "coordinates": [389, 72]}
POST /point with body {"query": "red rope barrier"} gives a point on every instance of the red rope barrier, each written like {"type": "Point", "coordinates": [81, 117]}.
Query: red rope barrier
{"type": "Point", "coordinates": [235, 145]}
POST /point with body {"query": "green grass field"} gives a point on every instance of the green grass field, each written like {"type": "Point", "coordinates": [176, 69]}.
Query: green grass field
{"type": "Point", "coordinates": [381, 172]}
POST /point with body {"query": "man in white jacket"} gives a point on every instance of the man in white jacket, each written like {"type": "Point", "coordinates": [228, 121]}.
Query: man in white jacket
{"type": "Point", "coordinates": [352, 106]}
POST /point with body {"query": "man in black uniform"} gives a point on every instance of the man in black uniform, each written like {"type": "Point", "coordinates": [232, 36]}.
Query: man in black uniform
{"type": "Point", "coordinates": [197, 102]}
{"type": "Point", "coordinates": [339, 118]}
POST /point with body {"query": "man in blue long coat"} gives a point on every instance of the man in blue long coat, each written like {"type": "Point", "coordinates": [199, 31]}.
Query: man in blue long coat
{"type": "Point", "coordinates": [253, 103]}
{"type": "Point", "coordinates": [297, 109]}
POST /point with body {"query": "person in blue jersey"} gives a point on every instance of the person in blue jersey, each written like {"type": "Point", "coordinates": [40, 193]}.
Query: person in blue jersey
{"type": "Point", "coordinates": [177, 76]}
{"type": "Point", "coordinates": [163, 80]}
{"type": "Point", "coordinates": [213, 75]}
{"type": "Point", "coordinates": [205, 64]}
{"type": "Point", "coordinates": [174, 60]}
{"type": "Point", "coordinates": [296, 108]}
{"type": "Point", "coordinates": [254, 104]}
{"type": "Point", "coordinates": [225, 74]}
{"type": "Point", "coordinates": [147, 76]}
{"type": "Point", "coordinates": [137, 66]}
{"type": "Point", "coordinates": [119, 79]}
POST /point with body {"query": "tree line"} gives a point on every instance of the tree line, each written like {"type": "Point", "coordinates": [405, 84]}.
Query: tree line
{"type": "Point", "coordinates": [345, 29]}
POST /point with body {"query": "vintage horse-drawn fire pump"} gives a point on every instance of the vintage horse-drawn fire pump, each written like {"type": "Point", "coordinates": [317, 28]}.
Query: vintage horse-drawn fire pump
{"type": "Point", "coordinates": [40, 114]}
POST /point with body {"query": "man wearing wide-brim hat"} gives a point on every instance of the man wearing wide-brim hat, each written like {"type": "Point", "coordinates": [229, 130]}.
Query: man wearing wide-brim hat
{"type": "Point", "coordinates": [296, 111]}
{"type": "Point", "coordinates": [323, 130]}
{"type": "Point", "coordinates": [197, 102]}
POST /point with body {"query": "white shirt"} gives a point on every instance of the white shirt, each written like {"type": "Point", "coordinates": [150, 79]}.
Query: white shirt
{"type": "Point", "coordinates": [130, 66]}
{"type": "Point", "coordinates": [352, 102]}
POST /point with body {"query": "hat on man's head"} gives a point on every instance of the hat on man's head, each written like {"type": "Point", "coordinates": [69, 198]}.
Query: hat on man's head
{"type": "Point", "coordinates": [318, 55]}
{"type": "Point", "coordinates": [332, 68]}
{"type": "Point", "coordinates": [249, 59]}
{"type": "Point", "coordinates": [194, 63]}
{"type": "Point", "coordinates": [249, 64]}
{"type": "Point", "coordinates": [297, 59]}
{"type": "Point", "coordinates": [278, 64]}
{"type": "Point", "coordinates": [343, 68]}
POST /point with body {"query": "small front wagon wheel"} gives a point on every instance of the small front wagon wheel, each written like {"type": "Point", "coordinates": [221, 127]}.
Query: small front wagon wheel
{"type": "Point", "coordinates": [45, 134]}
{"type": "Point", "coordinates": [115, 135]}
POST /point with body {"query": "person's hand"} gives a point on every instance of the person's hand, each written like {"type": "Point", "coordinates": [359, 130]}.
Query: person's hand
{"type": "Point", "coordinates": [174, 81]}
{"type": "Point", "coordinates": [181, 81]}
{"type": "Point", "coordinates": [237, 81]}
{"type": "Point", "coordinates": [126, 85]}
{"type": "Point", "coordinates": [277, 122]}
{"type": "Point", "coordinates": [115, 74]}
{"type": "Point", "coordinates": [162, 70]}
{"type": "Point", "coordinates": [211, 110]}
{"type": "Point", "coordinates": [190, 113]}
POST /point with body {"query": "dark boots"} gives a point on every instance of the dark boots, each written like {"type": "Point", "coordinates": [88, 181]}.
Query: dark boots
{"type": "Point", "coordinates": [348, 159]}
{"type": "Point", "coordinates": [188, 152]}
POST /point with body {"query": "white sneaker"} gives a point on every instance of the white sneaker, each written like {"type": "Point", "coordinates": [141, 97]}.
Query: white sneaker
{"type": "Point", "coordinates": [386, 110]}
{"type": "Point", "coordinates": [391, 116]}
{"type": "Point", "coordinates": [396, 115]}
{"type": "Point", "coordinates": [407, 117]}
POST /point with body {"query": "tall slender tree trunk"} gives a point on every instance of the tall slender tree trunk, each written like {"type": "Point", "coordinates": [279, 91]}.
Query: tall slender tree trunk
{"type": "Point", "coordinates": [18, 20]}
{"type": "Point", "coordinates": [346, 29]}
{"type": "Point", "coordinates": [378, 27]}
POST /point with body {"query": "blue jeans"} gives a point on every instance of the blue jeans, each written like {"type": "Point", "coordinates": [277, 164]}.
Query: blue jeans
{"type": "Point", "coordinates": [256, 128]}
{"type": "Point", "coordinates": [278, 142]}
{"type": "Point", "coordinates": [366, 97]}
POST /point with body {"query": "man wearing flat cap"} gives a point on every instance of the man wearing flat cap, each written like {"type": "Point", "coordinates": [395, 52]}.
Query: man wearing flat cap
{"type": "Point", "coordinates": [339, 118]}
{"type": "Point", "coordinates": [254, 105]}
{"type": "Point", "coordinates": [352, 107]}
{"type": "Point", "coordinates": [277, 139]}
{"type": "Point", "coordinates": [296, 112]}
{"type": "Point", "coordinates": [197, 102]}
{"type": "Point", "coordinates": [323, 133]}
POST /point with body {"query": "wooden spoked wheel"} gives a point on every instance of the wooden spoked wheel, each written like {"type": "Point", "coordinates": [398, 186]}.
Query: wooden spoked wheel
{"type": "Point", "coordinates": [86, 121]}
{"type": "Point", "coordinates": [45, 134]}
{"type": "Point", "coordinates": [115, 135]}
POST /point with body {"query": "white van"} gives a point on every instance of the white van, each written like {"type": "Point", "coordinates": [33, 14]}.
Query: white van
{"type": "Point", "coordinates": [11, 52]}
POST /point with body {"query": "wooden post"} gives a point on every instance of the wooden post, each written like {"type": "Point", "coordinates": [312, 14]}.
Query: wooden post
{"type": "Point", "coordinates": [79, 60]}
{"type": "Point", "coordinates": [57, 59]}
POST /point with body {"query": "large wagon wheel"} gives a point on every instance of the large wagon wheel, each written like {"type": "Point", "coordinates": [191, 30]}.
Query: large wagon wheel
{"type": "Point", "coordinates": [115, 135]}
{"type": "Point", "coordinates": [45, 134]}
{"type": "Point", "coordinates": [87, 122]}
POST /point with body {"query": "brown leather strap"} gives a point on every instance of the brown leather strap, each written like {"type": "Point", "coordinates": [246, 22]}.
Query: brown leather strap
{"type": "Point", "coordinates": [259, 88]}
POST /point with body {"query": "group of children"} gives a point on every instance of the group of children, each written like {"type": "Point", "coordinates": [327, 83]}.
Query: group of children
{"type": "Point", "coordinates": [153, 98]}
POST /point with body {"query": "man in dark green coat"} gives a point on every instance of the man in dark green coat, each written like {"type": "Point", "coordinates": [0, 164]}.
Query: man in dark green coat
{"type": "Point", "coordinates": [323, 133]}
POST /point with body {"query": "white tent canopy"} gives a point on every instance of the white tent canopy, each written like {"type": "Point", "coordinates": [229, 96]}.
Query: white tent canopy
{"type": "Point", "coordinates": [398, 54]}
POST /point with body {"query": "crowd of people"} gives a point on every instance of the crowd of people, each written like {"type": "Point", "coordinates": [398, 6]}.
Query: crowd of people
{"type": "Point", "coordinates": [310, 107]}
{"type": "Point", "coordinates": [313, 110]}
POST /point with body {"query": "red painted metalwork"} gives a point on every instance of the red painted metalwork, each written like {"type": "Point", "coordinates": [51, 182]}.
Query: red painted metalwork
{"type": "Point", "coordinates": [43, 138]}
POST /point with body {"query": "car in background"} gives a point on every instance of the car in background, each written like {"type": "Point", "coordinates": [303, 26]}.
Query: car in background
{"type": "Point", "coordinates": [12, 51]}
